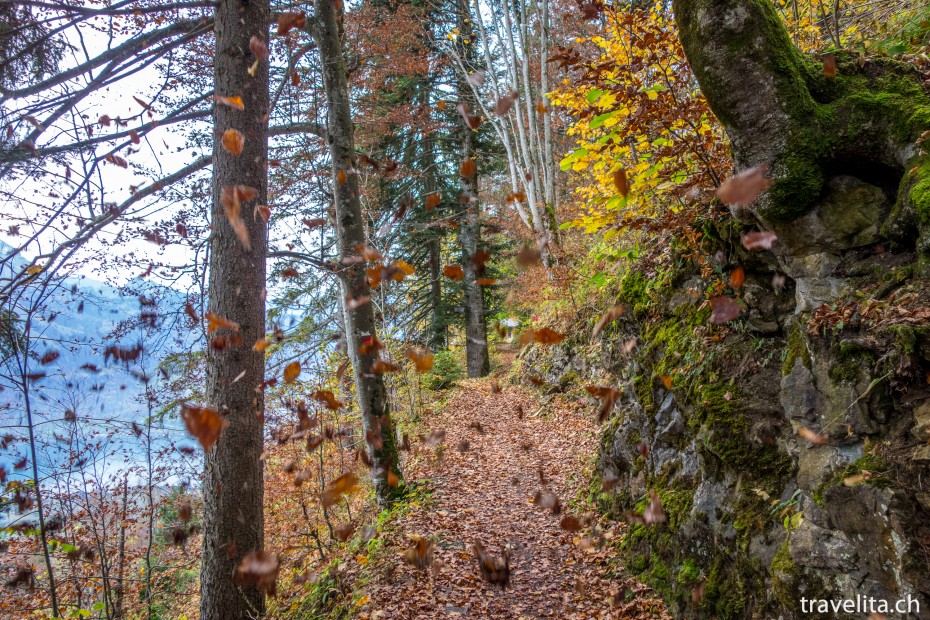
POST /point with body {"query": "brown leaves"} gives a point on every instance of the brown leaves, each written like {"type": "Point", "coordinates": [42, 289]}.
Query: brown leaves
{"type": "Point", "coordinates": [433, 200]}
{"type": "Point", "coordinates": [468, 169]}
{"type": "Point", "coordinates": [653, 513]}
{"type": "Point", "coordinates": [291, 372]}
{"type": "Point", "coordinates": [258, 48]}
{"type": "Point", "coordinates": [215, 322]}
{"type": "Point", "coordinates": [231, 198]}
{"type": "Point", "coordinates": [343, 485]}
{"type": "Point", "coordinates": [724, 310]}
{"type": "Point", "coordinates": [505, 103]}
{"type": "Point", "coordinates": [829, 65]}
{"type": "Point", "coordinates": [494, 569]}
{"type": "Point", "coordinates": [327, 398]}
{"type": "Point", "coordinates": [435, 438]}
{"type": "Point", "coordinates": [312, 223]}
{"type": "Point", "coordinates": [621, 182]}
{"type": "Point", "coordinates": [744, 188]}
{"type": "Point", "coordinates": [258, 569]}
{"type": "Point", "coordinates": [548, 500]}
{"type": "Point", "coordinates": [528, 256]}
{"type": "Point", "coordinates": [370, 345]}
{"type": "Point", "coordinates": [379, 367]}
{"type": "Point", "coordinates": [454, 272]}
{"type": "Point", "coordinates": [233, 141]}
{"type": "Point", "coordinates": [290, 20]}
{"type": "Point", "coordinates": [738, 277]}
{"type": "Point", "coordinates": [420, 553]}
{"type": "Point", "coordinates": [204, 423]}
{"type": "Point", "coordinates": [607, 395]}
{"type": "Point", "coordinates": [570, 524]}
{"type": "Point", "coordinates": [422, 359]}
{"type": "Point", "coordinates": [233, 102]}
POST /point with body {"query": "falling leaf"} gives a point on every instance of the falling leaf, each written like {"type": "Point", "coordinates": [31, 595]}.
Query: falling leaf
{"type": "Point", "coordinates": [724, 309]}
{"type": "Point", "coordinates": [666, 381]}
{"type": "Point", "coordinates": [528, 256]}
{"type": "Point", "coordinates": [761, 240]}
{"type": "Point", "coordinates": [264, 212]}
{"type": "Point", "coordinates": [505, 103]}
{"type": "Point", "coordinates": [548, 500]}
{"type": "Point", "coordinates": [738, 277]}
{"type": "Point", "coordinates": [485, 281]}
{"type": "Point", "coordinates": [621, 182]}
{"type": "Point", "coordinates": [468, 169]}
{"type": "Point", "coordinates": [420, 553]}
{"type": "Point", "coordinates": [814, 437]}
{"type": "Point", "coordinates": [422, 359]}
{"type": "Point", "coordinates": [142, 103]}
{"type": "Point", "coordinates": [260, 570]}
{"type": "Point", "coordinates": [261, 344]}
{"type": "Point", "coordinates": [829, 65]}
{"type": "Point", "coordinates": [744, 188]}
{"type": "Point", "coordinates": [258, 48]}
{"type": "Point", "coordinates": [379, 367]}
{"type": "Point", "coordinates": [472, 121]}
{"type": "Point", "coordinates": [546, 336]}
{"type": "Point", "coordinates": [454, 272]}
{"type": "Point", "coordinates": [344, 532]}
{"type": "Point", "coordinates": [289, 20]}
{"type": "Point", "coordinates": [215, 322]}
{"type": "Point", "coordinates": [335, 489]}
{"type": "Point", "coordinates": [314, 222]}
{"type": "Point", "coordinates": [433, 200]}
{"type": "Point", "coordinates": [653, 512]}
{"type": "Point", "coordinates": [494, 569]}
{"type": "Point", "coordinates": [233, 102]}
{"type": "Point", "coordinates": [435, 438]}
{"type": "Point", "coordinates": [370, 345]}
{"type": "Point", "coordinates": [609, 316]}
{"type": "Point", "coordinates": [476, 79]}
{"type": "Point", "coordinates": [570, 524]}
{"type": "Point", "coordinates": [541, 107]}
{"type": "Point", "coordinates": [233, 141]}
{"type": "Point", "coordinates": [204, 423]}
{"type": "Point", "coordinates": [291, 372]}
{"type": "Point", "coordinates": [231, 198]}
{"type": "Point", "coordinates": [327, 398]}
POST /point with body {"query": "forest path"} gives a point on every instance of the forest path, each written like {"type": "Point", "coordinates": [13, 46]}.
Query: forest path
{"type": "Point", "coordinates": [485, 493]}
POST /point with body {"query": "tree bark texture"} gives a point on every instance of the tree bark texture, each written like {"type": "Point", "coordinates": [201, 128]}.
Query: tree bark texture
{"type": "Point", "coordinates": [233, 490]}
{"type": "Point", "coordinates": [350, 232]}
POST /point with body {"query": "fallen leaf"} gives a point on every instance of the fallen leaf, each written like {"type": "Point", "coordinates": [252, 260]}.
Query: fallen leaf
{"type": "Point", "coordinates": [233, 141]}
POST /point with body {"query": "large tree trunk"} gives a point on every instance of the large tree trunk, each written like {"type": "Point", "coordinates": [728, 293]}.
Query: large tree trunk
{"type": "Point", "coordinates": [477, 363]}
{"type": "Point", "coordinates": [233, 518]}
{"type": "Point", "coordinates": [360, 321]}
{"type": "Point", "coordinates": [781, 109]}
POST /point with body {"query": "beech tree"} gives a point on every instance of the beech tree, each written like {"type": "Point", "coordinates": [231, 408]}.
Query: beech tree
{"type": "Point", "coordinates": [233, 483]}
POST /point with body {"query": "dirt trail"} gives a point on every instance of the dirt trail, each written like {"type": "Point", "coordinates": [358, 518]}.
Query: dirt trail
{"type": "Point", "coordinates": [485, 494]}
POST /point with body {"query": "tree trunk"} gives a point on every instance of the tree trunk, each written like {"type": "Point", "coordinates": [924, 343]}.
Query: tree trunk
{"type": "Point", "coordinates": [477, 363]}
{"type": "Point", "coordinates": [360, 321]}
{"type": "Point", "coordinates": [437, 324]}
{"type": "Point", "coordinates": [233, 489]}
{"type": "Point", "coordinates": [783, 110]}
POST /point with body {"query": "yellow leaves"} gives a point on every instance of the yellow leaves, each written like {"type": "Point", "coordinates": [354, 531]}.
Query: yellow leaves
{"type": "Point", "coordinates": [33, 270]}
{"type": "Point", "coordinates": [233, 141]}
{"type": "Point", "coordinates": [422, 359]}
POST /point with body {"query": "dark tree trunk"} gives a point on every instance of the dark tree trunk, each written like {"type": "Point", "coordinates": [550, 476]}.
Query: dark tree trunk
{"type": "Point", "coordinates": [359, 322]}
{"type": "Point", "coordinates": [477, 363]}
{"type": "Point", "coordinates": [781, 109]}
{"type": "Point", "coordinates": [233, 518]}
{"type": "Point", "coordinates": [437, 323]}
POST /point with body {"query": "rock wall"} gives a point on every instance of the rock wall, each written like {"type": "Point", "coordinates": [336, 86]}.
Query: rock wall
{"type": "Point", "coordinates": [712, 418]}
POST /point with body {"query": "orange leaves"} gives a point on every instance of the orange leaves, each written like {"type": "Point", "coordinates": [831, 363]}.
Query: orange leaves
{"type": "Point", "coordinates": [204, 423]}
{"type": "Point", "coordinates": [513, 197]}
{"type": "Point", "coordinates": [233, 141]}
{"type": "Point", "coordinates": [379, 367]}
{"type": "Point", "coordinates": [454, 272]}
{"type": "Point", "coordinates": [261, 344]}
{"type": "Point", "coordinates": [472, 121]}
{"type": "Point", "coordinates": [468, 169]}
{"type": "Point", "coordinates": [433, 200]}
{"type": "Point", "coordinates": [215, 322]}
{"type": "Point", "coordinates": [420, 553]}
{"type": "Point", "coordinates": [291, 372]}
{"type": "Point", "coordinates": [258, 569]}
{"type": "Point", "coordinates": [233, 102]}
{"type": "Point", "coordinates": [546, 336]}
{"type": "Point", "coordinates": [341, 177]}
{"type": "Point", "coordinates": [621, 182]}
{"type": "Point", "coordinates": [422, 359]}
{"type": "Point", "coordinates": [370, 345]}
{"type": "Point", "coordinates": [744, 188]}
{"type": "Point", "coordinates": [290, 20]}
{"type": "Point", "coordinates": [738, 277]}
{"type": "Point", "coordinates": [335, 489]}
{"type": "Point", "coordinates": [231, 199]}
